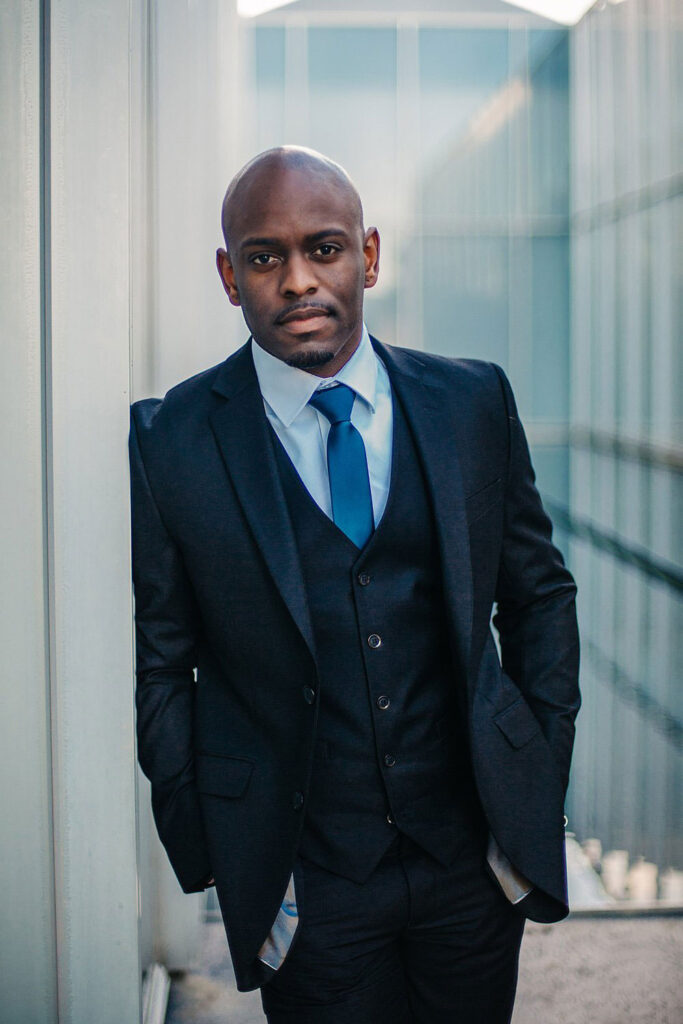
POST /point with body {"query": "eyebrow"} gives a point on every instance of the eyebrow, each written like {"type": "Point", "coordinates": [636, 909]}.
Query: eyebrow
{"type": "Point", "coordinates": [258, 241]}
{"type": "Point", "coordinates": [317, 236]}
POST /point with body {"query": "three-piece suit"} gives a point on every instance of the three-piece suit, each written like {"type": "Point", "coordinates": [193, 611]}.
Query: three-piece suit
{"type": "Point", "coordinates": [300, 699]}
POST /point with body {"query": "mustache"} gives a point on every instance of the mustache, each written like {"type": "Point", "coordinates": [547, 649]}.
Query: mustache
{"type": "Point", "coordinates": [296, 306]}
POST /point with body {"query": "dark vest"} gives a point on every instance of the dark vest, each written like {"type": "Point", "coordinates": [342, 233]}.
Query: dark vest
{"type": "Point", "coordinates": [390, 752]}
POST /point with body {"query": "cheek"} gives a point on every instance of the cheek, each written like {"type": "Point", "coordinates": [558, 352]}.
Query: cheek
{"type": "Point", "coordinates": [348, 288]}
{"type": "Point", "coordinates": [255, 300]}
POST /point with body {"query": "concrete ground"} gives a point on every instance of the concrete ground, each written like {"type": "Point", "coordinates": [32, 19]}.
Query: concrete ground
{"type": "Point", "coordinates": [582, 971]}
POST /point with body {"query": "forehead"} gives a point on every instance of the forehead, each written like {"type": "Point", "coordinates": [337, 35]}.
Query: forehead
{"type": "Point", "coordinates": [280, 201]}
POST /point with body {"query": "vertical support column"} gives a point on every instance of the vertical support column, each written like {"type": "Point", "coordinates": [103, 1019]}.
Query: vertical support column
{"type": "Point", "coordinates": [582, 288]}
{"type": "Point", "coordinates": [297, 117]}
{"type": "Point", "coordinates": [184, 132]}
{"type": "Point", "coordinates": [193, 99]}
{"type": "Point", "coordinates": [408, 206]}
{"type": "Point", "coordinates": [27, 934]}
{"type": "Point", "coordinates": [87, 390]}
{"type": "Point", "coordinates": [519, 211]}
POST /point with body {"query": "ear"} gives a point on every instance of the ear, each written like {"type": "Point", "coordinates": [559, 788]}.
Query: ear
{"type": "Point", "coordinates": [227, 275]}
{"type": "Point", "coordinates": [371, 256]}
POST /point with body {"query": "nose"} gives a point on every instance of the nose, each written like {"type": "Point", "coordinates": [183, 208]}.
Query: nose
{"type": "Point", "coordinates": [298, 276]}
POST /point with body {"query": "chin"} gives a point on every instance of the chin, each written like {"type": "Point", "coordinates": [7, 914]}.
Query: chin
{"type": "Point", "coordinates": [309, 359]}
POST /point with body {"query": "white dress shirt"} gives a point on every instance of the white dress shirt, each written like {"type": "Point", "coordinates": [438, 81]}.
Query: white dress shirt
{"type": "Point", "coordinates": [303, 430]}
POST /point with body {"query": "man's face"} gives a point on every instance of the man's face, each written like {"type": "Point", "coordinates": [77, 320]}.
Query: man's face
{"type": "Point", "coordinates": [298, 264]}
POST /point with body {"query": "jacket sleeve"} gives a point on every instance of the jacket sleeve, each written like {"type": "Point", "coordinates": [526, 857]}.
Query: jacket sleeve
{"type": "Point", "coordinates": [166, 630]}
{"type": "Point", "coordinates": [536, 614]}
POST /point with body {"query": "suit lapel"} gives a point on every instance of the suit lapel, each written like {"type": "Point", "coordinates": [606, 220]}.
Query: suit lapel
{"type": "Point", "coordinates": [241, 430]}
{"type": "Point", "coordinates": [430, 407]}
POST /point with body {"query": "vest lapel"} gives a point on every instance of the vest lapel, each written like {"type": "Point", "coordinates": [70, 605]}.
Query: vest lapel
{"type": "Point", "coordinates": [241, 430]}
{"type": "Point", "coordinates": [430, 409]}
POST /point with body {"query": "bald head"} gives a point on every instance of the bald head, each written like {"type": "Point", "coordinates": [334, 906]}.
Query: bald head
{"type": "Point", "coordinates": [297, 258]}
{"type": "Point", "coordinates": [267, 169]}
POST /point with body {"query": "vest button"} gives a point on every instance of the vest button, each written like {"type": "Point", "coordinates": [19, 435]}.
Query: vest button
{"type": "Point", "coordinates": [374, 641]}
{"type": "Point", "coordinates": [309, 694]}
{"type": "Point", "coordinates": [363, 579]}
{"type": "Point", "coordinates": [389, 760]}
{"type": "Point", "coordinates": [298, 801]}
{"type": "Point", "coordinates": [390, 819]}
{"type": "Point", "coordinates": [383, 703]}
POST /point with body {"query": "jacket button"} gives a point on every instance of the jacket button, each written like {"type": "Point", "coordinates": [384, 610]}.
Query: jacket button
{"type": "Point", "coordinates": [383, 703]}
{"type": "Point", "coordinates": [390, 819]}
{"type": "Point", "coordinates": [298, 801]}
{"type": "Point", "coordinates": [389, 760]}
{"type": "Point", "coordinates": [309, 694]}
{"type": "Point", "coordinates": [374, 641]}
{"type": "Point", "coordinates": [363, 578]}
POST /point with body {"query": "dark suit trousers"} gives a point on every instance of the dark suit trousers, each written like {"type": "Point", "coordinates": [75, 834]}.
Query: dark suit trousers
{"type": "Point", "coordinates": [418, 943]}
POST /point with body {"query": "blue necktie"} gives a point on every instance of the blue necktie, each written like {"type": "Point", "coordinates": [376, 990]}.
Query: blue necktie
{"type": "Point", "coordinates": [347, 464]}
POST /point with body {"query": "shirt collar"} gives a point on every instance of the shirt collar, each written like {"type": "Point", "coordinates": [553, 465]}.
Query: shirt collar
{"type": "Point", "coordinates": [288, 389]}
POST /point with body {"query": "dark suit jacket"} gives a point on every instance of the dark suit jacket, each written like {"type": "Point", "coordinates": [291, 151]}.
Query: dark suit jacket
{"type": "Point", "coordinates": [218, 589]}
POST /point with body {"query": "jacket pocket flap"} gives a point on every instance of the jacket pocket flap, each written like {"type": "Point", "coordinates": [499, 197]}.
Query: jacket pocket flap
{"type": "Point", "coordinates": [482, 500]}
{"type": "Point", "coordinates": [517, 723]}
{"type": "Point", "coordinates": [222, 776]}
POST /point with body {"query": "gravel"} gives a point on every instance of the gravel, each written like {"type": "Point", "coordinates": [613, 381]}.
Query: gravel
{"type": "Point", "coordinates": [583, 971]}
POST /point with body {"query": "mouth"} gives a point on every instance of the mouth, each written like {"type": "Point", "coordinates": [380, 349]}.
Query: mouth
{"type": "Point", "coordinates": [304, 320]}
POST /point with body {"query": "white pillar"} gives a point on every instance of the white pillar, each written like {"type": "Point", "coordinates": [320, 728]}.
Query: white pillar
{"type": "Point", "coordinates": [109, 223]}
{"type": "Point", "coordinates": [87, 381]}
{"type": "Point", "coordinates": [192, 115]}
{"type": "Point", "coordinates": [69, 928]}
{"type": "Point", "coordinates": [27, 936]}
{"type": "Point", "coordinates": [185, 128]}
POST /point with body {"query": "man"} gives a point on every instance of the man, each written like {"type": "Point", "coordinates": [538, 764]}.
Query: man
{"type": "Point", "coordinates": [321, 527]}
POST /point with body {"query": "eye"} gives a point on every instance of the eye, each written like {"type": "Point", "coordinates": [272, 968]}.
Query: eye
{"type": "Point", "coordinates": [326, 249]}
{"type": "Point", "coordinates": [262, 259]}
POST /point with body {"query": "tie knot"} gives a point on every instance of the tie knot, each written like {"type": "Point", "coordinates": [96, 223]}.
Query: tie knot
{"type": "Point", "coordinates": [334, 403]}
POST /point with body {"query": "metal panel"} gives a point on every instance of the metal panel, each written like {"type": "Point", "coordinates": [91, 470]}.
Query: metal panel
{"type": "Point", "coordinates": [625, 386]}
{"type": "Point", "coordinates": [27, 940]}
{"type": "Point", "coordinates": [88, 514]}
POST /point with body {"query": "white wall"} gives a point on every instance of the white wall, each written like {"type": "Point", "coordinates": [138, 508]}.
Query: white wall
{"type": "Point", "coordinates": [69, 926]}
{"type": "Point", "coordinates": [185, 113]}
{"type": "Point", "coordinates": [117, 125]}
{"type": "Point", "coordinates": [184, 154]}
{"type": "Point", "coordinates": [27, 933]}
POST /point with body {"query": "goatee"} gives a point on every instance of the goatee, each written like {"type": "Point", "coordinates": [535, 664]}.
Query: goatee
{"type": "Point", "coordinates": [308, 360]}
